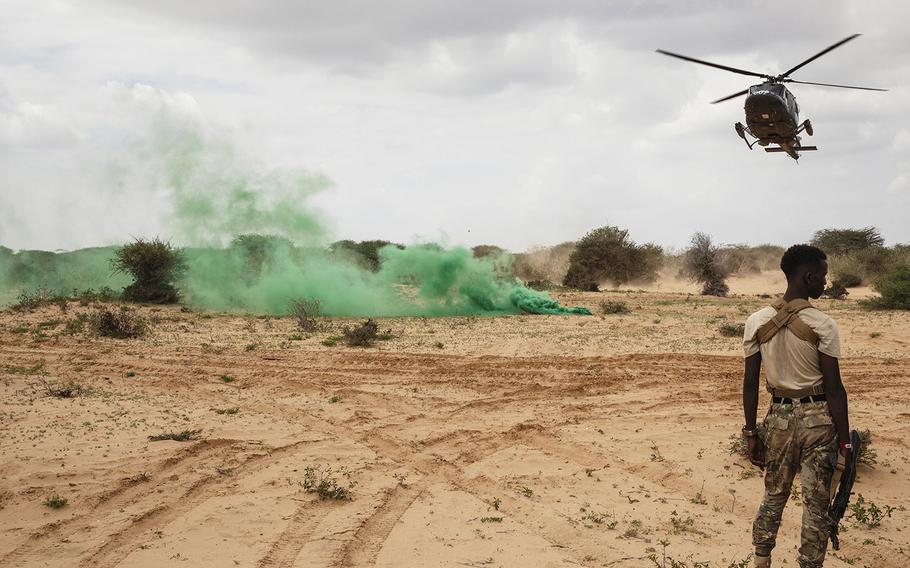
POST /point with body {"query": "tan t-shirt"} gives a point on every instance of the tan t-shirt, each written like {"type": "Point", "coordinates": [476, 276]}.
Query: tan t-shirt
{"type": "Point", "coordinates": [790, 362]}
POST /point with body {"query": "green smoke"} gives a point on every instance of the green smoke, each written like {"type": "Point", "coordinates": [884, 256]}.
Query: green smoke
{"type": "Point", "coordinates": [417, 280]}
{"type": "Point", "coordinates": [217, 195]}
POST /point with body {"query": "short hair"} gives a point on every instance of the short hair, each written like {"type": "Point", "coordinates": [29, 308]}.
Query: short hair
{"type": "Point", "coordinates": [800, 255]}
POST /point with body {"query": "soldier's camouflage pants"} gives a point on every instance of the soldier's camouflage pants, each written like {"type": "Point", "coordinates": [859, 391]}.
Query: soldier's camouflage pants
{"type": "Point", "coordinates": [798, 437]}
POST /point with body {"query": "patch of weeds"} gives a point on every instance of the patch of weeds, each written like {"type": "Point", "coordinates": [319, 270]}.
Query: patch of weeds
{"type": "Point", "coordinates": [596, 518]}
{"type": "Point", "coordinates": [230, 411]}
{"type": "Point", "coordinates": [55, 502]}
{"type": "Point", "coordinates": [16, 370]}
{"type": "Point", "coordinates": [869, 515]}
{"type": "Point", "coordinates": [362, 336]}
{"type": "Point", "coordinates": [590, 471]}
{"type": "Point", "coordinates": [526, 491]}
{"type": "Point", "coordinates": [328, 483]}
{"type": "Point", "coordinates": [69, 389]}
{"type": "Point", "coordinates": [439, 345]}
{"type": "Point", "coordinates": [699, 498]}
{"type": "Point", "coordinates": [655, 453]}
{"type": "Point", "coordinates": [250, 346]}
{"type": "Point", "coordinates": [867, 455]}
{"type": "Point", "coordinates": [385, 336]}
{"type": "Point", "coordinates": [633, 529]}
{"type": "Point", "coordinates": [497, 503]}
{"type": "Point", "coordinates": [401, 478]}
{"type": "Point", "coordinates": [335, 398]}
{"type": "Point", "coordinates": [875, 334]}
{"type": "Point", "coordinates": [728, 329]}
{"type": "Point", "coordinates": [227, 379]}
{"type": "Point", "coordinates": [183, 436]}
{"type": "Point", "coordinates": [491, 519]}
{"type": "Point", "coordinates": [680, 524]}
{"type": "Point", "coordinates": [122, 323]}
{"type": "Point", "coordinates": [295, 337]}
{"type": "Point", "coordinates": [76, 325]}
{"type": "Point", "coordinates": [332, 340]}
{"type": "Point", "coordinates": [142, 477]}
{"type": "Point", "coordinates": [614, 307]}
{"type": "Point", "coordinates": [130, 374]}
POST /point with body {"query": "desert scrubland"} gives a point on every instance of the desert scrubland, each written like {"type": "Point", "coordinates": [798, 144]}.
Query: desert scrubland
{"type": "Point", "coordinates": [463, 441]}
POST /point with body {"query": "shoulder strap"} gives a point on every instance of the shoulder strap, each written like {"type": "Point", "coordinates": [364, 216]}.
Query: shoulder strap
{"type": "Point", "coordinates": [786, 317]}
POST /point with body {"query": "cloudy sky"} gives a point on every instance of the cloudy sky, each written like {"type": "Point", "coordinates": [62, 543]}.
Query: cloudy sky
{"type": "Point", "coordinates": [513, 122]}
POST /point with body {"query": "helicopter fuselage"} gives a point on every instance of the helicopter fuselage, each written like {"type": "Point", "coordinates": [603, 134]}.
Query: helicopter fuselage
{"type": "Point", "coordinates": [772, 113]}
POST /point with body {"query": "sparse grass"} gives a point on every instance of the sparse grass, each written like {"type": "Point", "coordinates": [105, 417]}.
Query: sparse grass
{"type": "Point", "coordinates": [728, 329]}
{"type": "Point", "coordinates": [183, 436]}
{"type": "Point", "coordinates": [363, 336]}
{"type": "Point", "coordinates": [295, 337]}
{"type": "Point", "coordinates": [439, 345]}
{"type": "Point", "coordinates": [867, 455]}
{"type": "Point", "coordinates": [335, 399]}
{"type": "Point", "coordinates": [680, 524]}
{"type": "Point", "coordinates": [227, 378]}
{"type": "Point", "coordinates": [491, 519]}
{"type": "Point", "coordinates": [655, 453]}
{"type": "Point", "coordinates": [16, 370]}
{"type": "Point", "coordinates": [230, 411]}
{"type": "Point", "coordinates": [141, 477]}
{"type": "Point", "coordinates": [130, 374]}
{"type": "Point", "coordinates": [250, 346]}
{"type": "Point", "coordinates": [614, 307]}
{"type": "Point", "coordinates": [56, 502]}
{"type": "Point", "coordinates": [332, 340]}
{"type": "Point", "coordinates": [328, 483]}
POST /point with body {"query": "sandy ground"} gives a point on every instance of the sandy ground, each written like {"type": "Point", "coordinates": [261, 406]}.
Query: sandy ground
{"type": "Point", "coordinates": [510, 441]}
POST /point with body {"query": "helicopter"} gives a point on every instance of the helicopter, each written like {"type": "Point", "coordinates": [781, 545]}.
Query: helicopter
{"type": "Point", "coordinates": [772, 114]}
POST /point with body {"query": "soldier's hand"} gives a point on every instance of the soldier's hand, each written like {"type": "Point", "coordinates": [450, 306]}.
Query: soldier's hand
{"type": "Point", "coordinates": [847, 454]}
{"type": "Point", "coordinates": [756, 449]}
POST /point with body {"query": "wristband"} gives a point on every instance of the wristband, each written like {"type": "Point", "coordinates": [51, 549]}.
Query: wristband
{"type": "Point", "coordinates": [846, 446]}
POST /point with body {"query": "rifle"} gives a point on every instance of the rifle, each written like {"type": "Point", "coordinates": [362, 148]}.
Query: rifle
{"type": "Point", "coordinates": [842, 498]}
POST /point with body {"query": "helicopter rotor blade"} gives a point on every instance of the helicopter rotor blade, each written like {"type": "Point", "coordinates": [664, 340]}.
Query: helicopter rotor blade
{"type": "Point", "coordinates": [819, 54]}
{"type": "Point", "coordinates": [716, 65]}
{"type": "Point", "coordinates": [733, 96]}
{"type": "Point", "coordinates": [833, 85]}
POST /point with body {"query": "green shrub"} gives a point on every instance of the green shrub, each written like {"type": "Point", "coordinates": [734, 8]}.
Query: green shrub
{"type": "Point", "coordinates": [364, 253]}
{"type": "Point", "coordinates": [894, 288]}
{"type": "Point", "coordinates": [55, 502]}
{"type": "Point", "coordinates": [154, 265]}
{"type": "Point", "coordinates": [703, 263]}
{"type": "Point", "coordinates": [837, 242]}
{"type": "Point", "coordinates": [607, 254]}
{"type": "Point", "coordinates": [326, 483]}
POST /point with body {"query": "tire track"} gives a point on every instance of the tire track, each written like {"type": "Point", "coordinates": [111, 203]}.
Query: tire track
{"type": "Point", "coordinates": [284, 551]}
{"type": "Point", "coordinates": [367, 542]}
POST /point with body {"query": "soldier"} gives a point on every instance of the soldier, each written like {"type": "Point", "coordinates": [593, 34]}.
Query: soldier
{"type": "Point", "coordinates": [799, 346]}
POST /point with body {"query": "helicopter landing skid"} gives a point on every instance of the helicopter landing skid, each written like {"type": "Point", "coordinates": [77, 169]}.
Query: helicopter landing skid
{"type": "Point", "coordinates": [797, 148]}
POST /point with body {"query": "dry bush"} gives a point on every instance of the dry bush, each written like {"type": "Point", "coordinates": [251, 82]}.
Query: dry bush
{"type": "Point", "coordinates": [607, 254]}
{"type": "Point", "coordinates": [614, 307]}
{"type": "Point", "coordinates": [364, 253]}
{"type": "Point", "coordinates": [703, 263]}
{"type": "Point", "coordinates": [155, 266]}
{"type": "Point", "coordinates": [362, 336]}
{"type": "Point", "coordinates": [120, 323]}
{"type": "Point", "coordinates": [325, 482]}
{"type": "Point", "coordinates": [183, 436]}
{"type": "Point", "coordinates": [481, 251]}
{"type": "Point", "coordinates": [307, 312]}
{"type": "Point", "coordinates": [728, 329]}
{"type": "Point", "coordinates": [836, 291]}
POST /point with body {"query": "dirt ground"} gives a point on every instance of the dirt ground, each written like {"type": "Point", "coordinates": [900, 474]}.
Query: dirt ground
{"type": "Point", "coordinates": [475, 441]}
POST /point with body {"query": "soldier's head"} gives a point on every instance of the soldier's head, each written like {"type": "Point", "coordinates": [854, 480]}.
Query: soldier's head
{"type": "Point", "coordinates": [806, 267]}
